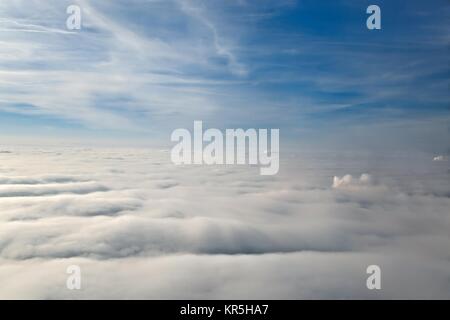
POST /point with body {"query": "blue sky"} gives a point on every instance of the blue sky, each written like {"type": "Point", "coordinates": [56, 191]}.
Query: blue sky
{"type": "Point", "coordinates": [139, 69]}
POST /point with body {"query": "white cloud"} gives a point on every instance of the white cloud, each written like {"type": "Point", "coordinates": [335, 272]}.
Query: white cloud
{"type": "Point", "coordinates": [111, 74]}
{"type": "Point", "coordinates": [440, 158]}
{"type": "Point", "coordinates": [348, 181]}
{"type": "Point", "coordinates": [142, 228]}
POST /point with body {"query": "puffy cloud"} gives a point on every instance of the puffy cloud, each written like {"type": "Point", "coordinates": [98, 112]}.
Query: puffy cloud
{"type": "Point", "coordinates": [440, 158]}
{"type": "Point", "coordinates": [348, 181]}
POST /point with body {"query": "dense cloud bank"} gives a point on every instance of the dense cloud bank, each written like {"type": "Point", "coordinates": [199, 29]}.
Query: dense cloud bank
{"type": "Point", "coordinates": [140, 227]}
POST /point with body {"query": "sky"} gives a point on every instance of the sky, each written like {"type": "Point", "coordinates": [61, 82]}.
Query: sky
{"type": "Point", "coordinates": [364, 148]}
{"type": "Point", "coordinates": [138, 70]}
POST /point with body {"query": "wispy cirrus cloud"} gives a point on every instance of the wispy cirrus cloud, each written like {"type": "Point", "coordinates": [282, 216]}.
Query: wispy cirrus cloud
{"type": "Point", "coordinates": [150, 66]}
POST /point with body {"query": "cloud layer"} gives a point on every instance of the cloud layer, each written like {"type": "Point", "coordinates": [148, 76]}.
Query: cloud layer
{"type": "Point", "coordinates": [140, 227]}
